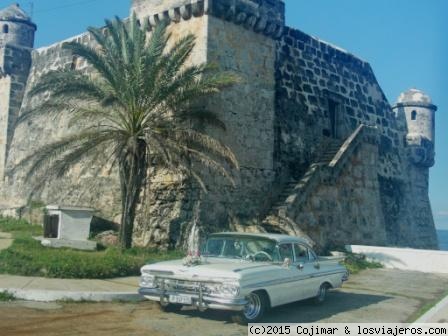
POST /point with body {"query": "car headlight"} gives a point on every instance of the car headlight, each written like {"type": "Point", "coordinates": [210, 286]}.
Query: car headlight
{"type": "Point", "coordinates": [147, 280]}
{"type": "Point", "coordinates": [223, 290]}
{"type": "Point", "coordinates": [230, 289]}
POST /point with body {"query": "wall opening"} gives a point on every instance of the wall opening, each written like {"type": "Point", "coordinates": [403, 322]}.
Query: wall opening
{"type": "Point", "coordinates": [51, 226]}
{"type": "Point", "coordinates": [414, 115]}
{"type": "Point", "coordinates": [74, 64]}
{"type": "Point", "coordinates": [5, 29]}
{"type": "Point", "coordinates": [333, 109]}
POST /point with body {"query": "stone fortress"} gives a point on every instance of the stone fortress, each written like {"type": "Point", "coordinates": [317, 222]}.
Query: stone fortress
{"type": "Point", "coordinates": [323, 154]}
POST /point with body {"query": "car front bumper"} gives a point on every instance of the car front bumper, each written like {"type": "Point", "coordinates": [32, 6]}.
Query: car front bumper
{"type": "Point", "coordinates": [199, 301]}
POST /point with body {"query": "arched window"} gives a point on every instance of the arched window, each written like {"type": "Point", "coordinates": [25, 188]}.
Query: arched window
{"type": "Point", "coordinates": [5, 29]}
{"type": "Point", "coordinates": [414, 115]}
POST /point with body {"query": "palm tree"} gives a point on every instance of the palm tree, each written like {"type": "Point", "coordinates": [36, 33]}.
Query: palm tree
{"type": "Point", "coordinates": [139, 105]}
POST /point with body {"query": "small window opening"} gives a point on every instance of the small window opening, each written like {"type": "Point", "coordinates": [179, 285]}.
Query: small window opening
{"type": "Point", "coordinates": [5, 29]}
{"type": "Point", "coordinates": [414, 115]}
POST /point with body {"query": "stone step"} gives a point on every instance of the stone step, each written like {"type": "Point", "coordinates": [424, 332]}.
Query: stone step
{"type": "Point", "coordinates": [287, 191]}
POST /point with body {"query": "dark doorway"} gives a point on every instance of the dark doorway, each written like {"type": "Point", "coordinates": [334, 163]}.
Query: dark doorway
{"type": "Point", "coordinates": [51, 226]}
{"type": "Point", "coordinates": [333, 108]}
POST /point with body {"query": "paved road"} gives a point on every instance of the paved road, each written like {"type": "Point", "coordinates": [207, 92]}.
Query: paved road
{"type": "Point", "coordinates": [372, 296]}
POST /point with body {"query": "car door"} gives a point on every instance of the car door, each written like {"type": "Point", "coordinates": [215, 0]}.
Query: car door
{"type": "Point", "coordinates": [288, 288]}
{"type": "Point", "coordinates": [308, 268]}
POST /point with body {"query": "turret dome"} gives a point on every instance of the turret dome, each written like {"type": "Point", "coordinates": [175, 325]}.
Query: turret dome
{"type": "Point", "coordinates": [14, 13]}
{"type": "Point", "coordinates": [414, 96]}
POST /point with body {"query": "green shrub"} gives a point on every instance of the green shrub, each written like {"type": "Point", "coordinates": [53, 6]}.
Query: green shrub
{"type": "Point", "coordinates": [355, 263]}
{"type": "Point", "coordinates": [6, 296]}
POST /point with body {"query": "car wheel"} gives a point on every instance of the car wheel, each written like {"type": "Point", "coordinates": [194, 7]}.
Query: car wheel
{"type": "Point", "coordinates": [322, 293]}
{"type": "Point", "coordinates": [169, 307]}
{"type": "Point", "coordinates": [255, 308]}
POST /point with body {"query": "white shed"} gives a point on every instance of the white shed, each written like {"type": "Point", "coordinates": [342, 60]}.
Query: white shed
{"type": "Point", "coordinates": [68, 226]}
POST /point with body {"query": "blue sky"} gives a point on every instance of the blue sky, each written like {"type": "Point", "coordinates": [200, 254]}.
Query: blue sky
{"type": "Point", "coordinates": [405, 41]}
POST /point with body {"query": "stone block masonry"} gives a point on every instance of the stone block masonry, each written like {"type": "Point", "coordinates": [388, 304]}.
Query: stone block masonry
{"type": "Point", "coordinates": [323, 94]}
{"type": "Point", "coordinates": [292, 122]}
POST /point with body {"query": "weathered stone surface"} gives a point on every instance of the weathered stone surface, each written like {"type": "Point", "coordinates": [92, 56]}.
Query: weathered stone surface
{"type": "Point", "coordinates": [107, 238]}
{"type": "Point", "coordinates": [292, 122]}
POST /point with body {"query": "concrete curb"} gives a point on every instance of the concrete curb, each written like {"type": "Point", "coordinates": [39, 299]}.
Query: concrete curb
{"type": "Point", "coordinates": [426, 318]}
{"type": "Point", "coordinates": [53, 295]}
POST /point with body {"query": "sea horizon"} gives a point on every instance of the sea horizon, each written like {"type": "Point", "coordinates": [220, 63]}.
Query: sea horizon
{"type": "Point", "coordinates": [442, 235]}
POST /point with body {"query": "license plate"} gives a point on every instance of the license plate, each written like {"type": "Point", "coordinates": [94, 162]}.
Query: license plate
{"type": "Point", "coordinates": [182, 299]}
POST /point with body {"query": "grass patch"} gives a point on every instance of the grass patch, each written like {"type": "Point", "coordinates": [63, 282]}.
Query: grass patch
{"type": "Point", "coordinates": [17, 226]}
{"type": "Point", "coordinates": [28, 257]}
{"type": "Point", "coordinates": [6, 297]}
{"type": "Point", "coordinates": [356, 263]}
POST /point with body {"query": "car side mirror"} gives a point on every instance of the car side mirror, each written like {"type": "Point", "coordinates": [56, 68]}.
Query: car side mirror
{"type": "Point", "coordinates": [286, 262]}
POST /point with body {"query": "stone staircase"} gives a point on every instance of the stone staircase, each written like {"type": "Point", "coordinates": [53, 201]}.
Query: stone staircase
{"type": "Point", "coordinates": [332, 148]}
{"type": "Point", "coordinates": [327, 167]}
{"type": "Point", "coordinates": [293, 185]}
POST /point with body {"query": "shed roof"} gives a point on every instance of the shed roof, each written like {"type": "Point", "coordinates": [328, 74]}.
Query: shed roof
{"type": "Point", "coordinates": [69, 208]}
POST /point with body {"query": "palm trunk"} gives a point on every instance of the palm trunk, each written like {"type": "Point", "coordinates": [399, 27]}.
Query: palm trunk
{"type": "Point", "coordinates": [132, 176]}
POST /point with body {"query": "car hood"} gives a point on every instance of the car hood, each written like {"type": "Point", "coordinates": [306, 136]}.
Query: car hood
{"type": "Point", "coordinates": [208, 269]}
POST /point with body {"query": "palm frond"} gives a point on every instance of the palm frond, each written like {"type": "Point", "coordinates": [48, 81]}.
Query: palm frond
{"type": "Point", "coordinates": [206, 143]}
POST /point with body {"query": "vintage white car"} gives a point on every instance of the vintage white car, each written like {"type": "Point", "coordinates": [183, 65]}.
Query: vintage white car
{"type": "Point", "coordinates": [244, 273]}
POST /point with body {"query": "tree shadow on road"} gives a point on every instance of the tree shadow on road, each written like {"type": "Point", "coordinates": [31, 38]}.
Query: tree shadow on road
{"type": "Point", "coordinates": [303, 311]}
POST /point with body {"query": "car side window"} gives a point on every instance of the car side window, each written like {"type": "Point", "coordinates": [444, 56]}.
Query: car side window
{"type": "Point", "coordinates": [286, 251]}
{"type": "Point", "coordinates": [301, 253]}
{"type": "Point", "coordinates": [312, 256]}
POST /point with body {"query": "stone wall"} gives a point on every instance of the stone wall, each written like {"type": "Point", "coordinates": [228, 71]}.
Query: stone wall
{"type": "Point", "coordinates": [312, 78]}
{"type": "Point", "coordinates": [348, 208]}
{"type": "Point", "coordinates": [84, 184]}
{"type": "Point", "coordinates": [311, 74]}
{"type": "Point", "coordinates": [247, 109]}
{"type": "Point", "coordinates": [170, 202]}
{"type": "Point", "coordinates": [5, 89]}
{"type": "Point", "coordinates": [15, 63]}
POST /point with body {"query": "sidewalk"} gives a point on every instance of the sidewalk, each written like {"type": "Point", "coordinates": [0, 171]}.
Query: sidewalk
{"type": "Point", "coordinates": [43, 289]}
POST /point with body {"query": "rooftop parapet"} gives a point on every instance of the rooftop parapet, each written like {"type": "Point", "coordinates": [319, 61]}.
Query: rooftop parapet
{"type": "Point", "coordinates": [263, 16]}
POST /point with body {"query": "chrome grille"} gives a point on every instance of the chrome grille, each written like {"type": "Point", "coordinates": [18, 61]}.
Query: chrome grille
{"type": "Point", "coordinates": [182, 286]}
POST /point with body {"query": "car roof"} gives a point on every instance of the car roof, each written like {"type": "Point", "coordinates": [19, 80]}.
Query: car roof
{"type": "Point", "coordinates": [279, 238]}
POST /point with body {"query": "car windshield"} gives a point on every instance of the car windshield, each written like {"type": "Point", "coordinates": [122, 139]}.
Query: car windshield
{"type": "Point", "coordinates": [237, 247]}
